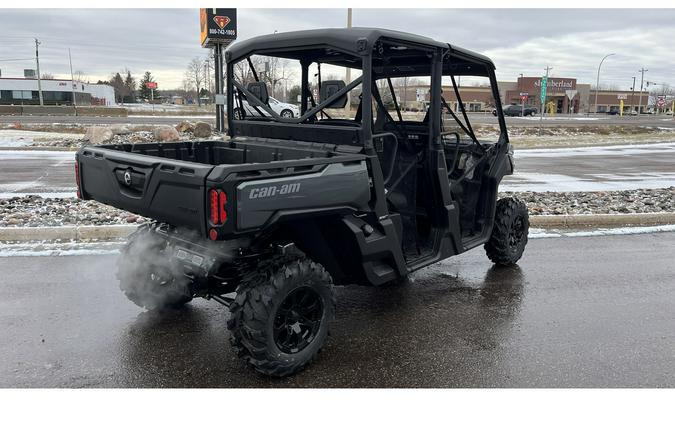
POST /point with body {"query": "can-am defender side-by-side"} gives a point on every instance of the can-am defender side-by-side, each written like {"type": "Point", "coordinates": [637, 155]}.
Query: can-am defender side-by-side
{"type": "Point", "coordinates": [289, 207]}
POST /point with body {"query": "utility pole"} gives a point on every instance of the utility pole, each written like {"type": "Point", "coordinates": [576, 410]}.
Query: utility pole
{"type": "Point", "coordinates": [37, 64]}
{"type": "Point", "coordinates": [72, 79]}
{"type": "Point", "coordinates": [348, 75]}
{"type": "Point", "coordinates": [597, 82]}
{"type": "Point", "coordinates": [632, 96]}
{"type": "Point", "coordinates": [642, 80]}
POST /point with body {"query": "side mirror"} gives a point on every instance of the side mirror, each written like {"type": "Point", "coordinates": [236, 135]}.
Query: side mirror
{"type": "Point", "coordinates": [259, 89]}
{"type": "Point", "coordinates": [330, 88]}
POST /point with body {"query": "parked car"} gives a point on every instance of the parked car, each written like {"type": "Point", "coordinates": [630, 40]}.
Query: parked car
{"type": "Point", "coordinates": [285, 110]}
{"type": "Point", "coordinates": [517, 110]}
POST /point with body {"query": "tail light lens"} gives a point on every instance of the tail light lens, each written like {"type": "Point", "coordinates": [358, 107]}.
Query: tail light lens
{"type": "Point", "coordinates": [77, 179]}
{"type": "Point", "coordinates": [222, 200]}
{"type": "Point", "coordinates": [218, 202]}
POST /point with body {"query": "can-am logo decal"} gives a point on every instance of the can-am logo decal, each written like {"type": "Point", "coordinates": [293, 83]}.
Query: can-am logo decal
{"type": "Point", "coordinates": [221, 21]}
{"type": "Point", "coordinates": [269, 191]}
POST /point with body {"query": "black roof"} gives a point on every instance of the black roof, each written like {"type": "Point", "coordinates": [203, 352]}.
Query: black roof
{"type": "Point", "coordinates": [345, 39]}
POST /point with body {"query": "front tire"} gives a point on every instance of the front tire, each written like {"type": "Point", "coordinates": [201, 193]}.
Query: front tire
{"type": "Point", "coordinates": [286, 114]}
{"type": "Point", "coordinates": [280, 315]}
{"type": "Point", "coordinates": [509, 232]}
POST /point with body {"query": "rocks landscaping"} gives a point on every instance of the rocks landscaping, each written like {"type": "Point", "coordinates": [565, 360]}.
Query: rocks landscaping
{"type": "Point", "coordinates": [33, 211]}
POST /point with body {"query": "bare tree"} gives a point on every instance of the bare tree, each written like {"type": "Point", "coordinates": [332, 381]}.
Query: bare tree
{"type": "Point", "coordinates": [47, 76]}
{"type": "Point", "coordinates": [80, 76]}
{"type": "Point", "coordinates": [195, 74]}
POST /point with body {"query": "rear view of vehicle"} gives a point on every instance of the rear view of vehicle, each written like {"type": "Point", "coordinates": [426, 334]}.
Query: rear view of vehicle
{"type": "Point", "coordinates": [269, 221]}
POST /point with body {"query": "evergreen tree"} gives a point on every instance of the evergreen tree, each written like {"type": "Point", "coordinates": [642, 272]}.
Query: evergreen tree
{"type": "Point", "coordinates": [144, 91]}
{"type": "Point", "coordinates": [118, 85]}
{"type": "Point", "coordinates": [130, 88]}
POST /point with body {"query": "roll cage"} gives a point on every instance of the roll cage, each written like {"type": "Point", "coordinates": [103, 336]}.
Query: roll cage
{"type": "Point", "coordinates": [379, 55]}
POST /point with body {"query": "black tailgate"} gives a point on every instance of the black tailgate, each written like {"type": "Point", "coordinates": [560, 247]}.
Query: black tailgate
{"type": "Point", "coordinates": [166, 190]}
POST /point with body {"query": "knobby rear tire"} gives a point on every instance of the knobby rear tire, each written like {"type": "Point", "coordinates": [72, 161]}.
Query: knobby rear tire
{"type": "Point", "coordinates": [257, 305]}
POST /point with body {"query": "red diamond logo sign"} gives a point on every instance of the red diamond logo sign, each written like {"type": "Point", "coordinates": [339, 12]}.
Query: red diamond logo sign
{"type": "Point", "coordinates": [221, 21]}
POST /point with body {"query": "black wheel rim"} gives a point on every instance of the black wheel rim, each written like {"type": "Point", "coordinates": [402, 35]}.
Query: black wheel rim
{"type": "Point", "coordinates": [298, 320]}
{"type": "Point", "coordinates": [517, 232]}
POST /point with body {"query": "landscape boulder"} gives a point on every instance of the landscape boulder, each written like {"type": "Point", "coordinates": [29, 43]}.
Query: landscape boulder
{"type": "Point", "coordinates": [120, 129]}
{"type": "Point", "coordinates": [98, 135]}
{"type": "Point", "coordinates": [202, 130]}
{"type": "Point", "coordinates": [185, 126]}
{"type": "Point", "coordinates": [165, 133]}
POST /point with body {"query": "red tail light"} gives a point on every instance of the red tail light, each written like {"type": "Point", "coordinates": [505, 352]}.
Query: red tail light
{"type": "Point", "coordinates": [214, 206]}
{"type": "Point", "coordinates": [217, 202]}
{"type": "Point", "coordinates": [77, 179]}
{"type": "Point", "coordinates": [222, 199]}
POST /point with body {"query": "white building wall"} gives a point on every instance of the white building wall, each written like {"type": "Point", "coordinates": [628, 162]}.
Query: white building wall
{"type": "Point", "coordinates": [105, 92]}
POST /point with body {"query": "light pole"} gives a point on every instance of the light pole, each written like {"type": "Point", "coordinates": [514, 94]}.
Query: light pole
{"type": "Point", "coordinates": [642, 80]}
{"type": "Point", "coordinates": [597, 82]}
{"type": "Point", "coordinates": [520, 92]}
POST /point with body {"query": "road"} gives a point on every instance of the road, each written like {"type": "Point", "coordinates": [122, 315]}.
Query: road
{"type": "Point", "coordinates": [576, 169]}
{"type": "Point", "coordinates": [476, 118]}
{"type": "Point", "coordinates": [577, 312]}
{"type": "Point", "coordinates": [50, 173]}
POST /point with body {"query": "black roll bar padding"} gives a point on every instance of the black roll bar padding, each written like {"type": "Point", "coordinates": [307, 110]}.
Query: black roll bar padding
{"type": "Point", "coordinates": [393, 97]}
{"type": "Point", "coordinates": [463, 109]}
{"type": "Point", "coordinates": [375, 94]}
{"type": "Point", "coordinates": [459, 122]}
{"type": "Point", "coordinates": [390, 170]}
{"type": "Point", "coordinates": [404, 173]}
{"type": "Point", "coordinates": [456, 156]}
{"type": "Point", "coordinates": [255, 74]}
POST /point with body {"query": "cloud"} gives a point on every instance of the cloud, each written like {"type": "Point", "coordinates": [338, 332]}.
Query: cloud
{"type": "Point", "coordinates": [163, 41]}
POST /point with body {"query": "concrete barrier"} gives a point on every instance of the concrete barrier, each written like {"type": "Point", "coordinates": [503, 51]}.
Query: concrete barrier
{"type": "Point", "coordinates": [26, 234]}
{"type": "Point", "coordinates": [30, 110]}
{"type": "Point", "coordinates": [10, 110]}
{"type": "Point", "coordinates": [102, 111]}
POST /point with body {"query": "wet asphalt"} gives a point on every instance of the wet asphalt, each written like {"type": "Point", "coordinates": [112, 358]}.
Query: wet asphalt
{"type": "Point", "coordinates": [576, 312]}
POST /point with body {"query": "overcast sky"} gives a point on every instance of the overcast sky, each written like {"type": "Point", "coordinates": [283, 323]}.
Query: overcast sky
{"type": "Point", "coordinates": [572, 41]}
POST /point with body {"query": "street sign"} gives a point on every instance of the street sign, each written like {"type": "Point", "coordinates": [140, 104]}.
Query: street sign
{"type": "Point", "coordinates": [217, 26]}
{"type": "Point", "coordinates": [571, 93]}
{"type": "Point", "coordinates": [523, 98]}
{"type": "Point", "coordinates": [544, 83]}
{"type": "Point", "coordinates": [151, 85]}
{"type": "Point", "coordinates": [661, 102]}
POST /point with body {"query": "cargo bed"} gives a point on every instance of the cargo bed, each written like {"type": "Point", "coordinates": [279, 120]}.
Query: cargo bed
{"type": "Point", "coordinates": [168, 181]}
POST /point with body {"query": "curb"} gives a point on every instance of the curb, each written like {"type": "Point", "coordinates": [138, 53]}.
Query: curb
{"type": "Point", "coordinates": [601, 220]}
{"type": "Point", "coordinates": [66, 232]}
{"type": "Point", "coordinates": [8, 234]}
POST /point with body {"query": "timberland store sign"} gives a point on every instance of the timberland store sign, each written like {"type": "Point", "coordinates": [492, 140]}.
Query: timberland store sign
{"type": "Point", "coordinates": [558, 84]}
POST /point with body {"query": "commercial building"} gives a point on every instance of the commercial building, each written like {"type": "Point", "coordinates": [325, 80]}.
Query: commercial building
{"type": "Point", "coordinates": [563, 96]}
{"type": "Point", "coordinates": [21, 91]}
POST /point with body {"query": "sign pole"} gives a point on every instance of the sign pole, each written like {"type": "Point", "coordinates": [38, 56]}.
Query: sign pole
{"type": "Point", "coordinates": [542, 96]}
{"type": "Point", "coordinates": [152, 100]}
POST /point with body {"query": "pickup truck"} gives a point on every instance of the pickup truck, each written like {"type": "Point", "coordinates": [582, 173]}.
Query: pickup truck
{"type": "Point", "coordinates": [268, 221]}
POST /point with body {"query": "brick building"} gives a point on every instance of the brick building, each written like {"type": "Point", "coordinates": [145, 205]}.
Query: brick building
{"type": "Point", "coordinates": [581, 97]}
